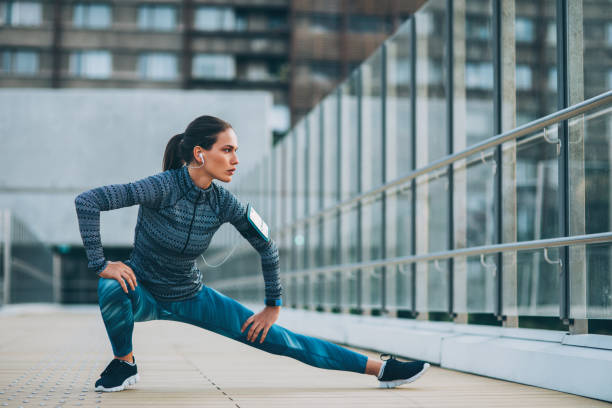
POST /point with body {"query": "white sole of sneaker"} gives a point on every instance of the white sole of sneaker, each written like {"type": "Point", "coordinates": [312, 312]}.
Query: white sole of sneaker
{"type": "Point", "coordinates": [127, 383]}
{"type": "Point", "coordinates": [393, 384]}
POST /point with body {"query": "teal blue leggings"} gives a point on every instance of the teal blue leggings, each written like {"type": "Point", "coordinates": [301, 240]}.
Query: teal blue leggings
{"type": "Point", "coordinates": [216, 312]}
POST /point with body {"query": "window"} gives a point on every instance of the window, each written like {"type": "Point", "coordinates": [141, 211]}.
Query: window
{"type": "Point", "coordinates": [523, 30]}
{"type": "Point", "coordinates": [479, 75]}
{"type": "Point", "coordinates": [157, 17]}
{"type": "Point", "coordinates": [214, 66]}
{"type": "Point", "coordinates": [91, 64]}
{"type": "Point", "coordinates": [362, 23]}
{"type": "Point", "coordinates": [158, 66]}
{"type": "Point", "coordinates": [20, 62]}
{"type": "Point", "coordinates": [92, 15]}
{"type": "Point", "coordinates": [325, 72]}
{"type": "Point", "coordinates": [476, 28]}
{"type": "Point", "coordinates": [280, 120]}
{"type": "Point", "coordinates": [324, 22]}
{"type": "Point", "coordinates": [551, 33]}
{"type": "Point", "coordinates": [523, 77]}
{"type": "Point", "coordinates": [609, 33]}
{"type": "Point", "coordinates": [215, 18]}
{"type": "Point", "coordinates": [257, 71]}
{"type": "Point", "coordinates": [242, 22]}
{"type": "Point", "coordinates": [277, 21]}
{"type": "Point", "coordinates": [21, 13]}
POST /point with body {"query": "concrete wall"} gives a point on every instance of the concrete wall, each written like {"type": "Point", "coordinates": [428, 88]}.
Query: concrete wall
{"type": "Point", "coordinates": [55, 144]}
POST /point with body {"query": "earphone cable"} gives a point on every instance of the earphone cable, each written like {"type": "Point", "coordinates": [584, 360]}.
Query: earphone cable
{"type": "Point", "coordinates": [222, 262]}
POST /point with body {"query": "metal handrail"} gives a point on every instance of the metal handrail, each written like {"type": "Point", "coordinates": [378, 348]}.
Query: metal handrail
{"type": "Point", "coordinates": [515, 133]}
{"type": "Point", "coordinates": [597, 238]}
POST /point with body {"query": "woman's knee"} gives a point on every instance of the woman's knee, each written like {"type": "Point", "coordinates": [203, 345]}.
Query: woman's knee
{"type": "Point", "coordinates": [109, 288]}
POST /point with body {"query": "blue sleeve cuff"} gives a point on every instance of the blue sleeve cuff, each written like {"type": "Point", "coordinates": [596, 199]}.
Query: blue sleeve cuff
{"type": "Point", "coordinates": [274, 302]}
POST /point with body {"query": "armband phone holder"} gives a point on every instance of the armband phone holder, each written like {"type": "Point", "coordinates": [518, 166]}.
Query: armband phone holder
{"type": "Point", "coordinates": [258, 223]}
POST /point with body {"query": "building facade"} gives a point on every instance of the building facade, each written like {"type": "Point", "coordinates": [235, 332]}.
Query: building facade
{"type": "Point", "coordinates": [297, 50]}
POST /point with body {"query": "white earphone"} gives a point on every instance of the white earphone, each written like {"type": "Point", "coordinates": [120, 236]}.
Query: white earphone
{"type": "Point", "coordinates": [197, 167]}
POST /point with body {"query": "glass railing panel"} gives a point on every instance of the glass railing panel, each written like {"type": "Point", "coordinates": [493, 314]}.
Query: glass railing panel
{"type": "Point", "coordinates": [398, 155]}
{"type": "Point", "coordinates": [371, 122]}
{"type": "Point", "coordinates": [330, 246]}
{"type": "Point", "coordinates": [318, 291]}
{"type": "Point", "coordinates": [372, 292]}
{"type": "Point", "coordinates": [474, 225]}
{"type": "Point", "coordinates": [350, 284]}
{"type": "Point", "coordinates": [286, 285]}
{"type": "Point", "coordinates": [431, 91]}
{"type": "Point", "coordinates": [532, 287]}
{"type": "Point", "coordinates": [474, 284]}
{"type": "Point", "coordinates": [473, 77]}
{"type": "Point", "coordinates": [532, 59]}
{"type": "Point", "coordinates": [299, 248]}
{"type": "Point", "coordinates": [590, 191]}
{"type": "Point", "coordinates": [432, 210]}
{"type": "Point", "coordinates": [313, 235]}
{"type": "Point", "coordinates": [589, 72]}
{"type": "Point", "coordinates": [350, 166]}
{"type": "Point", "coordinates": [537, 180]}
{"type": "Point", "coordinates": [371, 249]}
{"type": "Point", "coordinates": [398, 287]}
{"type": "Point", "coordinates": [349, 234]}
{"type": "Point", "coordinates": [294, 291]}
{"type": "Point", "coordinates": [301, 170]}
{"type": "Point", "coordinates": [306, 292]}
{"type": "Point", "coordinates": [432, 236]}
{"type": "Point", "coordinates": [330, 150]}
{"type": "Point", "coordinates": [314, 150]}
{"type": "Point", "coordinates": [398, 228]}
{"type": "Point", "coordinates": [474, 200]}
{"type": "Point", "coordinates": [591, 289]}
{"type": "Point", "coordinates": [332, 297]}
{"type": "Point", "coordinates": [284, 251]}
{"type": "Point", "coordinates": [432, 286]}
{"type": "Point", "coordinates": [287, 180]}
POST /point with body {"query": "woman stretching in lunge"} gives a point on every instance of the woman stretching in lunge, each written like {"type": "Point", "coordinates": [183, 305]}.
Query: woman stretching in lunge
{"type": "Point", "coordinates": [180, 210]}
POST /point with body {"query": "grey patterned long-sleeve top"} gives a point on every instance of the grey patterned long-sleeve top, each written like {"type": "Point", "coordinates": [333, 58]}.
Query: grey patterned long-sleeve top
{"type": "Point", "coordinates": [176, 222]}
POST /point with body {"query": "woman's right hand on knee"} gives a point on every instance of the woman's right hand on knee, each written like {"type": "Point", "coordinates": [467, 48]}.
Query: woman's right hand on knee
{"type": "Point", "coordinates": [121, 273]}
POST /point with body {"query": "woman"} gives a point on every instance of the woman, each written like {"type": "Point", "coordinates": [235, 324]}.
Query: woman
{"type": "Point", "coordinates": [180, 210]}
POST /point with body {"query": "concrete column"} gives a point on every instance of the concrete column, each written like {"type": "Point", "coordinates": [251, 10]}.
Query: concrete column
{"type": "Point", "coordinates": [509, 228]}
{"type": "Point", "coordinates": [6, 224]}
{"type": "Point", "coordinates": [460, 213]}
{"type": "Point", "coordinates": [391, 163]}
{"type": "Point", "coordinates": [422, 155]}
{"type": "Point", "coordinates": [366, 183]}
{"type": "Point", "coordinates": [577, 182]}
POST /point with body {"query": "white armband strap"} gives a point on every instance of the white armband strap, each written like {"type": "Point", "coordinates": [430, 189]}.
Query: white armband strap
{"type": "Point", "coordinates": [258, 223]}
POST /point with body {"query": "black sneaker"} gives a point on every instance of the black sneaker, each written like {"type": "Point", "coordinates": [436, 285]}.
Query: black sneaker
{"type": "Point", "coordinates": [117, 376]}
{"type": "Point", "coordinates": [397, 372]}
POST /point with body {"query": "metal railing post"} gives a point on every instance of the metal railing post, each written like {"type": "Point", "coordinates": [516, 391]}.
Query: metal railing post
{"type": "Point", "coordinates": [57, 278]}
{"type": "Point", "coordinates": [6, 223]}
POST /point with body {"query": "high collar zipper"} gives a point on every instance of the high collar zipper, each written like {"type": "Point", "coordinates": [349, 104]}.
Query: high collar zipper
{"type": "Point", "coordinates": [195, 206]}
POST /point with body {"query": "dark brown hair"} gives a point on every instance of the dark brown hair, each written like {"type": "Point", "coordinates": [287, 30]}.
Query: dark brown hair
{"type": "Point", "coordinates": [202, 131]}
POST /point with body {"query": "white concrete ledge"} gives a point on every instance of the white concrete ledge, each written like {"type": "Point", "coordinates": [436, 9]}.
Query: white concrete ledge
{"type": "Point", "coordinates": [578, 364]}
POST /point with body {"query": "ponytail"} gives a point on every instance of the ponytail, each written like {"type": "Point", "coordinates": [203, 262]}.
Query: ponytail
{"type": "Point", "coordinates": [172, 155]}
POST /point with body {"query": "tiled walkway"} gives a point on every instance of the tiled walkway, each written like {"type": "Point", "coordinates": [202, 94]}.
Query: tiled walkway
{"type": "Point", "coordinates": [52, 358]}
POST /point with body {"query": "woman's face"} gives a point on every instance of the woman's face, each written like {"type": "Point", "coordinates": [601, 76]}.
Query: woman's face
{"type": "Point", "coordinates": [221, 160]}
